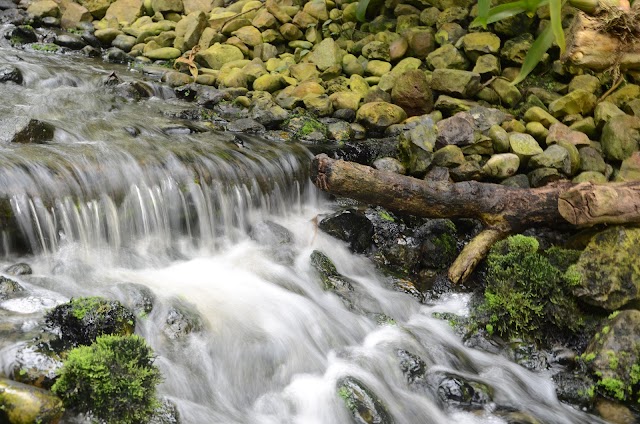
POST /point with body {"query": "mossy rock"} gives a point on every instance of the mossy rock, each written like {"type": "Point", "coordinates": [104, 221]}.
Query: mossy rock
{"type": "Point", "coordinates": [527, 291]}
{"type": "Point", "coordinates": [81, 320]}
{"type": "Point", "coordinates": [364, 405]}
{"type": "Point", "coordinates": [613, 356]}
{"type": "Point", "coordinates": [23, 404]}
{"type": "Point", "coordinates": [608, 272]}
{"type": "Point", "coordinates": [331, 279]}
{"type": "Point", "coordinates": [114, 379]}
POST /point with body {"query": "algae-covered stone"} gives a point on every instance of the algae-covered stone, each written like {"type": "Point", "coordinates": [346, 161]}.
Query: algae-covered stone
{"type": "Point", "coordinates": [508, 93]}
{"type": "Point", "coordinates": [345, 100]}
{"type": "Point", "coordinates": [326, 54]}
{"type": "Point", "coordinates": [23, 404]}
{"type": "Point", "coordinates": [44, 8]}
{"type": "Point", "coordinates": [501, 166]}
{"type": "Point", "coordinates": [269, 83]}
{"type": "Point", "coordinates": [167, 6]}
{"type": "Point", "coordinates": [604, 111]}
{"type": "Point", "coordinates": [219, 54]}
{"type": "Point", "coordinates": [487, 65]}
{"type": "Point", "coordinates": [499, 138]}
{"type": "Point", "coordinates": [189, 30]}
{"type": "Point", "coordinates": [163, 53]}
{"type": "Point", "coordinates": [608, 271]}
{"type": "Point", "coordinates": [537, 130]}
{"type": "Point", "coordinates": [376, 50]}
{"type": "Point", "coordinates": [362, 403]}
{"type": "Point", "coordinates": [591, 177]}
{"type": "Point", "coordinates": [591, 160]}
{"type": "Point", "coordinates": [412, 93]}
{"type": "Point", "coordinates": [560, 132]}
{"type": "Point", "coordinates": [377, 68]}
{"type": "Point", "coordinates": [554, 156]}
{"type": "Point", "coordinates": [542, 176]}
{"type": "Point", "coordinates": [524, 145]}
{"type": "Point", "coordinates": [455, 82]}
{"type": "Point", "coordinates": [125, 11]}
{"type": "Point", "coordinates": [613, 356]}
{"type": "Point", "coordinates": [379, 115]}
{"type": "Point", "coordinates": [630, 168]}
{"type": "Point", "coordinates": [448, 156]}
{"type": "Point", "coordinates": [585, 82]}
{"type": "Point", "coordinates": [448, 57]}
{"type": "Point", "coordinates": [480, 43]}
{"type": "Point", "coordinates": [97, 8]}
{"type": "Point", "coordinates": [575, 102]}
{"type": "Point", "coordinates": [516, 49]}
{"type": "Point", "coordinates": [624, 94]}
{"type": "Point", "coordinates": [621, 137]}
{"type": "Point", "coordinates": [537, 114]}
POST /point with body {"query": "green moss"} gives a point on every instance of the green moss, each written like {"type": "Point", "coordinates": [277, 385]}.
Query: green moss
{"type": "Point", "coordinates": [614, 314]}
{"type": "Point", "coordinates": [606, 329]}
{"type": "Point", "coordinates": [312, 125]}
{"type": "Point", "coordinates": [45, 47]}
{"type": "Point", "coordinates": [114, 379]}
{"type": "Point", "coordinates": [588, 357]}
{"type": "Point", "coordinates": [386, 216]}
{"type": "Point", "coordinates": [613, 387]}
{"type": "Point", "coordinates": [525, 294]}
{"type": "Point", "coordinates": [613, 360]}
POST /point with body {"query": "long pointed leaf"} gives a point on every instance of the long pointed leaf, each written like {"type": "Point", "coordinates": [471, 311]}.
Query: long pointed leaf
{"type": "Point", "coordinates": [361, 10]}
{"type": "Point", "coordinates": [555, 10]}
{"type": "Point", "coordinates": [506, 10]}
{"type": "Point", "coordinates": [535, 53]}
{"type": "Point", "coordinates": [483, 12]}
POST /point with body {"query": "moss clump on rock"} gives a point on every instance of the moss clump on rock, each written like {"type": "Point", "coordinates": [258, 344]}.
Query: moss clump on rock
{"type": "Point", "coordinates": [114, 379]}
{"type": "Point", "coordinates": [525, 294]}
{"type": "Point", "coordinates": [81, 320]}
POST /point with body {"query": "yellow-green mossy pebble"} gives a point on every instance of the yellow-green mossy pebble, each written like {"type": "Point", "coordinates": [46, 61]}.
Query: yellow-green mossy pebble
{"type": "Point", "coordinates": [163, 53]}
{"type": "Point", "coordinates": [24, 404]}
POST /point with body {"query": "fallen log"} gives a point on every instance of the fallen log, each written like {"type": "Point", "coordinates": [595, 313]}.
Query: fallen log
{"type": "Point", "coordinates": [502, 210]}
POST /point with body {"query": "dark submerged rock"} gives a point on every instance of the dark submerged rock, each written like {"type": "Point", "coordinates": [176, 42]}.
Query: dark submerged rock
{"type": "Point", "coordinates": [25, 130]}
{"type": "Point", "coordinates": [181, 320]}
{"type": "Point", "coordinates": [9, 288]}
{"type": "Point", "coordinates": [21, 268]}
{"type": "Point", "coordinates": [350, 226]}
{"type": "Point", "coordinates": [9, 73]}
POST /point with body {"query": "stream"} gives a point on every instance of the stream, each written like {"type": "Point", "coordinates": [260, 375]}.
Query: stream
{"type": "Point", "coordinates": [128, 196]}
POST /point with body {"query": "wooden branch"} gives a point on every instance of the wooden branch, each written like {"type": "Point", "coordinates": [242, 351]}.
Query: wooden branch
{"type": "Point", "coordinates": [503, 210]}
{"type": "Point", "coordinates": [589, 47]}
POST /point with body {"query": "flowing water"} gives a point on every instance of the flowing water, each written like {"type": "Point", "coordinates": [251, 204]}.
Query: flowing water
{"type": "Point", "coordinates": [126, 196]}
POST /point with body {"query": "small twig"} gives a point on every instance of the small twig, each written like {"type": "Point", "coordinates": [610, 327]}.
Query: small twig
{"type": "Point", "coordinates": [241, 13]}
{"type": "Point", "coordinates": [612, 89]}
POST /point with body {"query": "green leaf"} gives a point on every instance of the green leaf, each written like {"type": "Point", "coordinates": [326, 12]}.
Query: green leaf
{"type": "Point", "coordinates": [483, 13]}
{"type": "Point", "coordinates": [361, 10]}
{"type": "Point", "coordinates": [555, 10]}
{"type": "Point", "coordinates": [535, 53]}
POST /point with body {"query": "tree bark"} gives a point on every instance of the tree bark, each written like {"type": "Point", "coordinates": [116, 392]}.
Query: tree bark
{"type": "Point", "coordinates": [588, 46]}
{"type": "Point", "coordinates": [502, 210]}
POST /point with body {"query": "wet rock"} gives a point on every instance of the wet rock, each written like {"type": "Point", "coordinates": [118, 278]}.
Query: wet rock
{"type": "Point", "coordinates": [23, 404]}
{"type": "Point", "coordinates": [181, 320]}
{"type": "Point", "coordinates": [455, 391]}
{"type": "Point", "coordinates": [43, 8]}
{"type": "Point", "coordinates": [455, 82]}
{"type": "Point", "coordinates": [165, 413]}
{"type": "Point", "coordinates": [477, 44]}
{"type": "Point", "coordinates": [591, 160]}
{"type": "Point", "coordinates": [71, 41]}
{"type": "Point", "coordinates": [613, 356]}
{"type": "Point", "coordinates": [620, 137]}
{"type": "Point", "coordinates": [331, 279]}
{"type": "Point", "coordinates": [276, 237]}
{"type": "Point", "coordinates": [524, 145]}
{"type": "Point", "coordinates": [81, 320]}
{"type": "Point", "coordinates": [439, 243]}
{"type": "Point", "coordinates": [20, 268]}
{"type": "Point", "coordinates": [351, 227]}
{"type": "Point", "coordinates": [37, 364]}
{"type": "Point", "coordinates": [412, 93]}
{"type": "Point", "coordinates": [574, 388]}
{"type": "Point", "coordinates": [22, 129]}
{"type": "Point", "coordinates": [9, 73]}
{"type": "Point", "coordinates": [413, 368]}
{"type": "Point", "coordinates": [364, 405]}
{"type": "Point", "coordinates": [457, 130]}
{"type": "Point", "coordinates": [23, 34]}
{"type": "Point", "coordinates": [608, 272]}
{"type": "Point", "coordinates": [116, 55]}
{"type": "Point", "coordinates": [614, 412]}
{"type": "Point", "coordinates": [245, 125]}
{"type": "Point", "coordinates": [137, 297]}
{"type": "Point", "coordinates": [9, 288]}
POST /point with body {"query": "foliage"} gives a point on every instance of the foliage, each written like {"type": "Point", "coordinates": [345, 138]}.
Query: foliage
{"type": "Point", "coordinates": [190, 61]}
{"type": "Point", "coordinates": [526, 292]}
{"type": "Point", "coordinates": [114, 379]}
